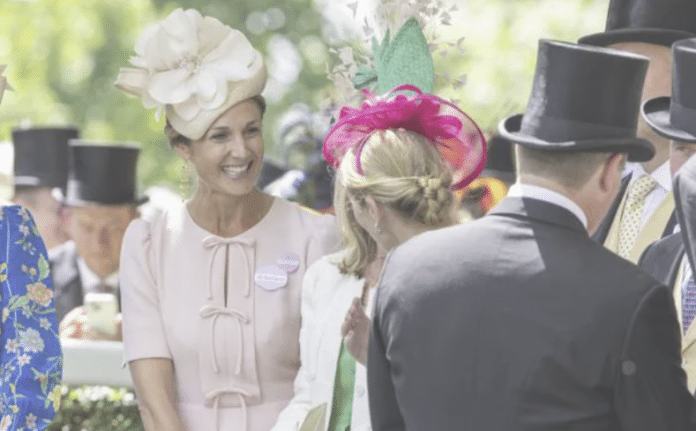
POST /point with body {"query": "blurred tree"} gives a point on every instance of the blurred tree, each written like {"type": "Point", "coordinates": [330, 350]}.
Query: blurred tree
{"type": "Point", "coordinates": [64, 56]}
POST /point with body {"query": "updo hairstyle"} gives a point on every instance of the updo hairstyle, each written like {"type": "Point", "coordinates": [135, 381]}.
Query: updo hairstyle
{"type": "Point", "coordinates": [402, 171]}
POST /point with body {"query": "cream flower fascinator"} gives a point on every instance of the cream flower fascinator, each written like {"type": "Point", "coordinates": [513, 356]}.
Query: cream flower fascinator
{"type": "Point", "coordinates": [192, 68]}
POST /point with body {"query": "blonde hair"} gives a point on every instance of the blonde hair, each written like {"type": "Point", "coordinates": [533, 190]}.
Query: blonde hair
{"type": "Point", "coordinates": [404, 172]}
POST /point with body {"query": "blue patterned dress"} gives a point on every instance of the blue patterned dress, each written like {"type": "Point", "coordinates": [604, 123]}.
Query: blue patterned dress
{"type": "Point", "coordinates": [31, 357]}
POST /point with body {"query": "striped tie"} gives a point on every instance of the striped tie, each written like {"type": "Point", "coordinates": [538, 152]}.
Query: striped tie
{"type": "Point", "coordinates": [688, 302]}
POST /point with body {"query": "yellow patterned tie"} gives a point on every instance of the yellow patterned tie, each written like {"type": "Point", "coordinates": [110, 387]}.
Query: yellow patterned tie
{"type": "Point", "coordinates": [633, 213]}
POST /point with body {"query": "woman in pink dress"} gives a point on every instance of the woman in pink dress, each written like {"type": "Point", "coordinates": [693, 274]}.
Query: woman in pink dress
{"type": "Point", "coordinates": [211, 290]}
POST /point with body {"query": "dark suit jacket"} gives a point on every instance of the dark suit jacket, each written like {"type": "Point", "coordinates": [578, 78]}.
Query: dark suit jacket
{"type": "Point", "coordinates": [519, 321]}
{"type": "Point", "coordinates": [66, 278]}
{"type": "Point", "coordinates": [600, 234]}
{"type": "Point", "coordinates": [663, 258]}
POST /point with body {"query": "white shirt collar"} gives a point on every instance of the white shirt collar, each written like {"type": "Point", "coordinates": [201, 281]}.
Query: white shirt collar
{"type": "Point", "coordinates": [543, 194]}
{"type": "Point", "coordinates": [662, 174]}
{"type": "Point", "coordinates": [90, 280]}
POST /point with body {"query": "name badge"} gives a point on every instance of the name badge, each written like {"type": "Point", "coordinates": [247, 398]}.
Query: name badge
{"type": "Point", "coordinates": [270, 277]}
{"type": "Point", "coordinates": [289, 262]}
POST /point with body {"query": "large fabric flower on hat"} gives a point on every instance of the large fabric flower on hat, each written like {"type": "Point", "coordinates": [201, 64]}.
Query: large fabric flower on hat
{"type": "Point", "coordinates": [186, 62]}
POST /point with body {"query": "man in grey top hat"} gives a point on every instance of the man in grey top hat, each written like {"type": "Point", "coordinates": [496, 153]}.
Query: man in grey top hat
{"type": "Point", "coordinates": [644, 209]}
{"type": "Point", "coordinates": [40, 177]}
{"type": "Point", "coordinates": [670, 260]}
{"type": "Point", "coordinates": [519, 320]}
{"type": "Point", "coordinates": [100, 202]}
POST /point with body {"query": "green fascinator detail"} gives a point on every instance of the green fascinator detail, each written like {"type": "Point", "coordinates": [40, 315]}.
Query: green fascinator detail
{"type": "Point", "coordinates": [405, 59]}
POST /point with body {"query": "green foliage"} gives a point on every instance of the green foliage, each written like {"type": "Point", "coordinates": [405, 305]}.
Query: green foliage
{"type": "Point", "coordinates": [500, 42]}
{"type": "Point", "coordinates": [63, 57]}
{"type": "Point", "coordinates": [97, 408]}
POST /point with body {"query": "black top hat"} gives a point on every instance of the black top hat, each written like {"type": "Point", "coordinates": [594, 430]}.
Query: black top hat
{"type": "Point", "coordinates": [41, 156]}
{"type": "Point", "coordinates": [102, 174]}
{"type": "Point", "coordinates": [661, 22]}
{"type": "Point", "coordinates": [675, 117]}
{"type": "Point", "coordinates": [500, 160]}
{"type": "Point", "coordinates": [584, 98]}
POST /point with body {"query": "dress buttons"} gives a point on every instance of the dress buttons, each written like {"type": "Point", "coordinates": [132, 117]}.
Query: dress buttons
{"type": "Point", "coordinates": [628, 368]}
{"type": "Point", "coordinates": [360, 390]}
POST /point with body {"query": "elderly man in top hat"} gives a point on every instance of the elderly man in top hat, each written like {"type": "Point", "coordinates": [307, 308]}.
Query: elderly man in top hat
{"type": "Point", "coordinates": [671, 259]}
{"type": "Point", "coordinates": [41, 169]}
{"type": "Point", "coordinates": [520, 321]}
{"type": "Point", "coordinates": [644, 209]}
{"type": "Point", "coordinates": [101, 201]}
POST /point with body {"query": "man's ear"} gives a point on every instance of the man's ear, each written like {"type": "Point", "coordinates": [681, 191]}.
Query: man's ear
{"type": "Point", "coordinates": [609, 169]}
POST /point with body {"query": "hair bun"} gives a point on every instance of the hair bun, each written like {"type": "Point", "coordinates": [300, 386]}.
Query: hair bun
{"type": "Point", "coordinates": [430, 185]}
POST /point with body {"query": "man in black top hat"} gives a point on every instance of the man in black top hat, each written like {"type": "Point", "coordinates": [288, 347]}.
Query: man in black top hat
{"type": "Point", "coordinates": [644, 208]}
{"type": "Point", "coordinates": [41, 170]}
{"type": "Point", "coordinates": [101, 201]}
{"type": "Point", "coordinates": [670, 260]}
{"type": "Point", "coordinates": [519, 320]}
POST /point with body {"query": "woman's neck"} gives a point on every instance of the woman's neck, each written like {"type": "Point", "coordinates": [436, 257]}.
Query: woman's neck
{"type": "Point", "coordinates": [228, 215]}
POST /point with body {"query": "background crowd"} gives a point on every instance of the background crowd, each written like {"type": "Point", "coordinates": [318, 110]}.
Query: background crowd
{"type": "Point", "coordinates": [83, 184]}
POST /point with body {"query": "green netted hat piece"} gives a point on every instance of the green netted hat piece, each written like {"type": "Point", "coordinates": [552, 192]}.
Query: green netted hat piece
{"type": "Point", "coordinates": [405, 59]}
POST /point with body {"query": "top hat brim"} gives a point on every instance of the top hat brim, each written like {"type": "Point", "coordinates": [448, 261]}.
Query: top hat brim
{"type": "Point", "coordinates": [655, 36]}
{"type": "Point", "coordinates": [655, 111]}
{"type": "Point", "coordinates": [638, 149]}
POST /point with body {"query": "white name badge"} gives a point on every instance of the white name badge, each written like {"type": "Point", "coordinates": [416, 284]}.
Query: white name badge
{"type": "Point", "coordinates": [270, 277]}
{"type": "Point", "coordinates": [289, 262]}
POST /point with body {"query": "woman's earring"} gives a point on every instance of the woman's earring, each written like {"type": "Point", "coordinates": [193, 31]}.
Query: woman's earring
{"type": "Point", "coordinates": [378, 229]}
{"type": "Point", "coordinates": [185, 180]}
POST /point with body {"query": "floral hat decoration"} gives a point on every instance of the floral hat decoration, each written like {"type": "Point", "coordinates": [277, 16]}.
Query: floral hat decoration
{"type": "Point", "coordinates": [404, 70]}
{"type": "Point", "coordinates": [193, 68]}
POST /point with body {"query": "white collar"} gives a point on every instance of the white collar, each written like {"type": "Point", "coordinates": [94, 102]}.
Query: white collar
{"type": "Point", "coordinates": [662, 174]}
{"type": "Point", "coordinates": [547, 195]}
{"type": "Point", "coordinates": [90, 280]}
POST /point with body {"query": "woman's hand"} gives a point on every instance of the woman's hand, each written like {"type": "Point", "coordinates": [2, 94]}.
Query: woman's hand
{"type": "Point", "coordinates": [356, 331]}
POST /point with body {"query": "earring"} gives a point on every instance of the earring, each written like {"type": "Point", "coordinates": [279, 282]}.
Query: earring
{"type": "Point", "coordinates": [378, 229]}
{"type": "Point", "coordinates": [185, 180]}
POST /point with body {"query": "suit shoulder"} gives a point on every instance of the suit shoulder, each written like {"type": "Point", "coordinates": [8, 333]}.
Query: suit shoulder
{"type": "Point", "coordinates": [669, 245]}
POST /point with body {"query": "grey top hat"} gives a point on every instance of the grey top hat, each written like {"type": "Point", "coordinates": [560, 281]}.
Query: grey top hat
{"type": "Point", "coordinates": [41, 156]}
{"type": "Point", "coordinates": [584, 99]}
{"type": "Point", "coordinates": [102, 174]}
{"type": "Point", "coordinates": [500, 159]}
{"type": "Point", "coordinates": [660, 22]}
{"type": "Point", "coordinates": [675, 117]}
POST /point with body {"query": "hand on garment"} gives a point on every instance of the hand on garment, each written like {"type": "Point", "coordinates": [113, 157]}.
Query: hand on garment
{"type": "Point", "coordinates": [356, 331]}
{"type": "Point", "coordinates": [75, 325]}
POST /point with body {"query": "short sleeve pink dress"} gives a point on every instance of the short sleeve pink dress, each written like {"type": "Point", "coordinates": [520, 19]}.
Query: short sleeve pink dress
{"type": "Point", "coordinates": [235, 353]}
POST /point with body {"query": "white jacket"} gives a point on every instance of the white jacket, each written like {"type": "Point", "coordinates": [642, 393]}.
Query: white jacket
{"type": "Point", "coordinates": [326, 297]}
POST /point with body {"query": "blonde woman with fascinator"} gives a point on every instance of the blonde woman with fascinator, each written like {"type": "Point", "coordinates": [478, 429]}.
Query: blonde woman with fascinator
{"type": "Point", "coordinates": [398, 159]}
{"type": "Point", "coordinates": [211, 290]}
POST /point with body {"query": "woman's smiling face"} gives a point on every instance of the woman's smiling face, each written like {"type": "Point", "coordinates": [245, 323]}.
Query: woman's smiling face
{"type": "Point", "coordinates": [228, 158]}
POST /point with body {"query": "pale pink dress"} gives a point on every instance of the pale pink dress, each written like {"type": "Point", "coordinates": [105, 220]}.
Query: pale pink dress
{"type": "Point", "coordinates": [234, 364]}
